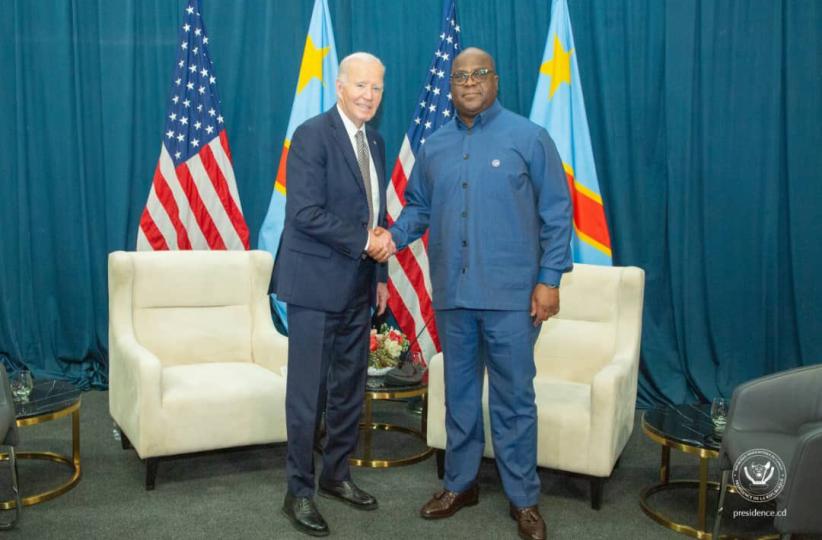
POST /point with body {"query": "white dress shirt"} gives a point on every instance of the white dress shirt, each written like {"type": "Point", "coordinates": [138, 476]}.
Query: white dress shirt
{"type": "Point", "coordinates": [352, 130]}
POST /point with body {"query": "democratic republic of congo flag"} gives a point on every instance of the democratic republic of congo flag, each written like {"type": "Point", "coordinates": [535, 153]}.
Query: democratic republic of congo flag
{"type": "Point", "coordinates": [560, 108]}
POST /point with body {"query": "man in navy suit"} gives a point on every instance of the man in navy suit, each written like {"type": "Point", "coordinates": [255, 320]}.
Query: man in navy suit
{"type": "Point", "coordinates": [331, 270]}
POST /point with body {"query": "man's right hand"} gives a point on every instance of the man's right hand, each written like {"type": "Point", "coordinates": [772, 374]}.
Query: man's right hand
{"type": "Point", "coordinates": [380, 244]}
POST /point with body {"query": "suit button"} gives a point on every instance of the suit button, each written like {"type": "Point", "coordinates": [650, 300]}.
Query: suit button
{"type": "Point", "coordinates": [464, 185]}
{"type": "Point", "coordinates": [465, 156]}
{"type": "Point", "coordinates": [464, 243]}
{"type": "Point", "coordinates": [464, 214]}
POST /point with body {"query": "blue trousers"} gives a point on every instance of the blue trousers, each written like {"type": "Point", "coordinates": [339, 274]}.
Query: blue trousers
{"type": "Point", "coordinates": [503, 342]}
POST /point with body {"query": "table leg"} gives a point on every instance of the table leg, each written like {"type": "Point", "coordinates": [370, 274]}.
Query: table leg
{"type": "Point", "coordinates": [424, 419]}
{"type": "Point", "coordinates": [75, 440]}
{"type": "Point", "coordinates": [702, 510]}
{"type": "Point", "coordinates": [665, 465]}
{"type": "Point", "coordinates": [367, 421]}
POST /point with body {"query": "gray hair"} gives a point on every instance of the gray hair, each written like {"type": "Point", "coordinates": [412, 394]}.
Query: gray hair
{"type": "Point", "coordinates": [360, 56]}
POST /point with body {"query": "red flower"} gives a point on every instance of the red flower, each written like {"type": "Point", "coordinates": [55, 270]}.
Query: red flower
{"type": "Point", "coordinates": [373, 346]}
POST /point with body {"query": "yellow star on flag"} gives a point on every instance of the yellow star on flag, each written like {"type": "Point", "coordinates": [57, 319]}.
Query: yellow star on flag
{"type": "Point", "coordinates": [558, 67]}
{"type": "Point", "coordinates": [312, 65]}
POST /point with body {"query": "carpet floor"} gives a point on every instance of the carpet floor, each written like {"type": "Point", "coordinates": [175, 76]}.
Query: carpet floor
{"type": "Point", "coordinates": [238, 493]}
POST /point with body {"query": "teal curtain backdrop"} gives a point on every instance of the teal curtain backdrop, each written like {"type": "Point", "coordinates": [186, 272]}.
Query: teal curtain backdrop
{"type": "Point", "coordinates": [705, 119]}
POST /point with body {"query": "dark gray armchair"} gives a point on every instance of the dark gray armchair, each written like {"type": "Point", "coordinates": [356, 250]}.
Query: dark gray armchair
{"type": "Point", "coordinates": [8, 438]}
{"type": "Point", "coordinates": [781, 413]}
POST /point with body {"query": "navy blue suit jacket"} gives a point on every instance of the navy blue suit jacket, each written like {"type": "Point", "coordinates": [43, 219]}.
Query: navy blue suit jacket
{"type": "Point", "coordinates": [326, 216]}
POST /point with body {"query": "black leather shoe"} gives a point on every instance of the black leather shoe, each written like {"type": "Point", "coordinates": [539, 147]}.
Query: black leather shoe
{"type": "Point", "coordinates": [347, 492]}
{"type": "Point", "coordinates": [303, 514]}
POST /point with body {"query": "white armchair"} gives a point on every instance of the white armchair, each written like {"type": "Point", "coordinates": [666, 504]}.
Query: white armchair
{"type": "Point", "coordinates": [194, 359]}
{"type": "Point", "coordinates": [587, 359]}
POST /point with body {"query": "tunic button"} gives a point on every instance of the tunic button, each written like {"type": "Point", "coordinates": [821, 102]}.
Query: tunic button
{"type": "Point", "coordinates": [465, 156]}
{"type": "Point", "coordinates": [464, 185]}
{"type": "Point", "coordinates": [464, 214]}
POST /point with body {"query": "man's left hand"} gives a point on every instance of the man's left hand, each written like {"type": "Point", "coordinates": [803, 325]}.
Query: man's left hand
{"type": "Point", "coordinates": [382, 297]}
{"type": "Point", "coordinates": [544, 303]}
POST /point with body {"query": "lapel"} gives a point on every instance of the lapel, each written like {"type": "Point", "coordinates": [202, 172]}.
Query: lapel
{"type": "Point", "coordinates": [344, 144]}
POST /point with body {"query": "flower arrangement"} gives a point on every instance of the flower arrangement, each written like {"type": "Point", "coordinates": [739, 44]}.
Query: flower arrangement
{"type": "Point", "coordinates": [386, 347]}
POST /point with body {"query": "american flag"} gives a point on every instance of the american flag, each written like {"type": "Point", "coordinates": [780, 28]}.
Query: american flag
{"type": "Point", "coordinates": [193, 202]}
{"type": "Point", "coordinates": [409, 284]}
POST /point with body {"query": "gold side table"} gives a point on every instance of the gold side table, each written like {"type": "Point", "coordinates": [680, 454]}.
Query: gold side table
{"type": "Point", "coordinates": [367, 427]}
{"type": "Point", "coordinates": [687, 428]}
{"type": "Point", "coordinates": [50, 400]}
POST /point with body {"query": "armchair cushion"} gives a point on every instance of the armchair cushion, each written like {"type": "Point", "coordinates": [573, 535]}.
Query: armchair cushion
{"type": "Point", "coordinates": [244, 402]}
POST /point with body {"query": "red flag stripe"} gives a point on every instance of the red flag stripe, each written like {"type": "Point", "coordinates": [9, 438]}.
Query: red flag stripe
{"type": "Point", "coordinates": [402, 314]}
{"type": "Point", "coordinates": [279, 183]}
{"type": "Point", "coordinates": [155, 211]}
{"type": "Point", "coordinates": [223, 156]}
{"type": "Point", "coordinates": [410, 265]}
{"type": "Point", "coordinates": [151, 232]}
{"type": "Point", "coordinates": [224, 144]}
{"type": "Point", "coordinates": [211, 202]}
{"type": "Point", "coordinates": [589, 215]}
{"type": "Point", "coordinates": [412, 304]}
{"type": "Point", "coordinates": [198, 209]}
{"type": "Point", "coordinates": [233, 212]}
{"type": "Point", "coordinates": [406, 308]}
{"type": "Point", "coordinates": [167, 200]}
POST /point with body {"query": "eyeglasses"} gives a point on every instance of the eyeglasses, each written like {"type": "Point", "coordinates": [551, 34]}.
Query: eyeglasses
{"type": "Point", "coordinates": [479, 75]}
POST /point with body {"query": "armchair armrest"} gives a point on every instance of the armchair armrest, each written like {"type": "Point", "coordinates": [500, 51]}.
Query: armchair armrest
{"type": "Point", "coordinates": [613, 399]}
{"type": "Point", "coordinates": [135, 385]}
{"type": "Point", "coordinates": [778, 403]}
{"type": "Point", "coordinates": [269, 348]}
{"type": "Point", "coordinates": [801, 492]}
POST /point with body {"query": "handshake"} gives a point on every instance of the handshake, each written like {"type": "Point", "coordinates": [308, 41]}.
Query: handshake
{"type": "Point", "coordinates": [380, 245]}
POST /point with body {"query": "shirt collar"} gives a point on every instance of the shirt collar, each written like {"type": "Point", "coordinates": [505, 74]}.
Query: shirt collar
{"type": "Point", "coordinates": [482, 118]}
{"type": "Point", "coordinates": [350, 128]}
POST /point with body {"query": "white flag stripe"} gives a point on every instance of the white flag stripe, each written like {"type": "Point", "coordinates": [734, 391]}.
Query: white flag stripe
{"type": "Point", "coordinates": [407, 158]}
{"type": "Point", "coordinates": [421, 255]}
{"type": "Point", "coordinates": [184, 213]}
{"type": "Point", "coordinates": [411, 300]}
{"type": "Point", "coordinates": [409, 296]}
{"type": "Point", "coordinates": [417, 247]}
{"type": "Point", "coordinates": [212, 203]}
{"type": "Point", "coordinates": [394, 206]}
{"type": "Point", "coordinates": [225, 167]}
{"type": "Point", "coordinates": [161, 220]}
{"type": "Point", "coordinates": [142, 241]}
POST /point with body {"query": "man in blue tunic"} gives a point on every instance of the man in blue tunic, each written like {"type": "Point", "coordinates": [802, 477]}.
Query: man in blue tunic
{"type": "Point", "coordinates": [491, 189]}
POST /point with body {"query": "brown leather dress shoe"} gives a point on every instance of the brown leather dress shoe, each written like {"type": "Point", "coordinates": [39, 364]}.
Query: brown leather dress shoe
{"type": "Point", "coordinates": [530, 524]}
{"type": "Point", "coordinates": [446, 503]}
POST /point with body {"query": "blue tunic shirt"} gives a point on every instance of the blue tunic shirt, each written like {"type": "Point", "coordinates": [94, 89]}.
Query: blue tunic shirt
{"type": "Point", "coordinates": [495, 199]}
